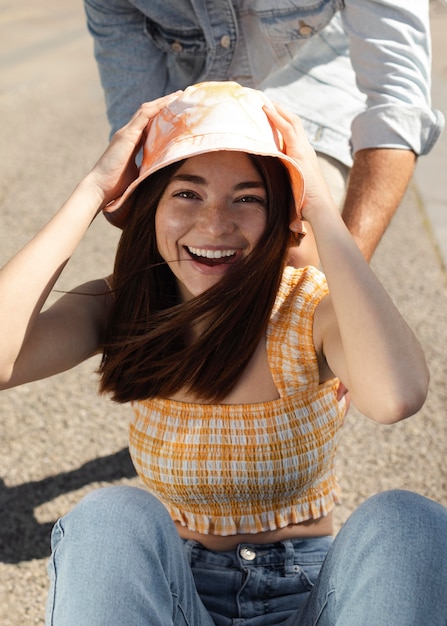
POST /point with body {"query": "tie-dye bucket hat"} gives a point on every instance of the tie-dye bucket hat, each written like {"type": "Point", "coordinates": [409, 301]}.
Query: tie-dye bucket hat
{"type": "Point", "coordinates": [203, 118]}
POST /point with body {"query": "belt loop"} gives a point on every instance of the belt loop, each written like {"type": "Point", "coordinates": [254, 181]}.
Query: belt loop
{"type": "Point", "coordinates": [289, 557]}
{"type": "Point", "coordinates": [188, 545]}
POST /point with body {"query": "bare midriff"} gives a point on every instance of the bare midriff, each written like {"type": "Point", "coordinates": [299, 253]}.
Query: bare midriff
{"type": "Point", "coordinates": [312, 528]}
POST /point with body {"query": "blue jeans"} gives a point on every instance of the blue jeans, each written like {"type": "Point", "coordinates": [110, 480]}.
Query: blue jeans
{"type": "Point", "coordinates": [118, 560]}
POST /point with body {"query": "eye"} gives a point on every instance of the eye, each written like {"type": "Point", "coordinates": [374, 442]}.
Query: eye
{"type": "Point", "coordinates": [188, 195]}
{"type": "Point", "coordinates": [255, 199]}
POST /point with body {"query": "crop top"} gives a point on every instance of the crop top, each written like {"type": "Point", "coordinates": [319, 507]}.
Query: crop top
{"type": "Point", "coordinates": [247, 468]}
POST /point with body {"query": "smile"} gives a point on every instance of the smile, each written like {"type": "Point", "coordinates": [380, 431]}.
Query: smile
{"type": "Point", "coordinates": [211, 254]}
{"type": "Point", "coordinates": [212, 257]}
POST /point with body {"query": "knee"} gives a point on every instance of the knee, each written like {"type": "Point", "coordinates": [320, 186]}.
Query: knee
{"type": "Point", "coordinates": [108, 510]}
{"type": "Point", "coordinates": [400, 517]}
{"type": "Point", "coordinates": [391, 505]}
{"type": "Point", "coordinates": [399, 505]}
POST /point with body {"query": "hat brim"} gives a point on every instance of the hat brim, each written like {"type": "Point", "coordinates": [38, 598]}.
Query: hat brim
{"type": "Point", "coordinates": [116, 212]}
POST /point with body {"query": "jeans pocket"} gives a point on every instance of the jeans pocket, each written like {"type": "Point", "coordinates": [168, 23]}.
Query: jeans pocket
{"type": "Point", "coordinates": [308, 573]}
{"type": "Point", "coordinates": [56, 536]}
{"type": "Point", "coordinates": [309, 559]}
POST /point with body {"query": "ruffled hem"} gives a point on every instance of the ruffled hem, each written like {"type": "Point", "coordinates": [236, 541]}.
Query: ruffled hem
{"type": "Point", "coordinates": [259, 522]}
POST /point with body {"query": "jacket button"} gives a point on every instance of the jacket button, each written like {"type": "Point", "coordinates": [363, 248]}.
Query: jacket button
{"type": "Point", "coordinates": [304, 29]}
{"type": "Point", "coordinates": [225, 41]}
{"type": "Point", "coordinates": [176, 46]}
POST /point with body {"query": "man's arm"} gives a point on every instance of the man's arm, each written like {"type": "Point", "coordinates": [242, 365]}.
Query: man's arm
{"type": "Point", "coordinates": [390, 53]}
{"type": "Point", "coordinates": [377, 184]}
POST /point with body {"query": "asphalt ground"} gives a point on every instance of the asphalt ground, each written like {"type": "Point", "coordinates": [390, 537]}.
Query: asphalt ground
{"type": "Point", "coordinates": [59, 439]}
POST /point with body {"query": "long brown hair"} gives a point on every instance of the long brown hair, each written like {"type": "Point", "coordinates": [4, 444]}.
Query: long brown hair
{"type": "Point", "coordinates": [146, 352]}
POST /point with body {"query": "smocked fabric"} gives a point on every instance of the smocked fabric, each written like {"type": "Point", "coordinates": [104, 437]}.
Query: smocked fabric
{"type": "Point", "coordinates": [248, 468]}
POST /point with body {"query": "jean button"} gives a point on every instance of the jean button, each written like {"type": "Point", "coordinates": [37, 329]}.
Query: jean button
{"type": "Point", "coordinates": [248, 554]}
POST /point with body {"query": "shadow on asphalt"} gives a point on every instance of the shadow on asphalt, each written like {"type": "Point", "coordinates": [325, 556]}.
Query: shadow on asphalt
{"type": "Point", "coordinates": [22, 537]}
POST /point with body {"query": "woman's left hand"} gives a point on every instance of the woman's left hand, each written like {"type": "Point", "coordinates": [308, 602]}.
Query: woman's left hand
{"type": "Point", "coordinates": [297, 146]}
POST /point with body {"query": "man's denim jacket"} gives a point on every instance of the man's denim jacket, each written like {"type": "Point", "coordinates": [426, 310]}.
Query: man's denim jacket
{"type": "Point", "coordinates": [356, 71]}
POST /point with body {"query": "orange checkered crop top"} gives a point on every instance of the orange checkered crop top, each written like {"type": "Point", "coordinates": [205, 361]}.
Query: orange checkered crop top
{"type": "Point", "coordinates": [229, 469]}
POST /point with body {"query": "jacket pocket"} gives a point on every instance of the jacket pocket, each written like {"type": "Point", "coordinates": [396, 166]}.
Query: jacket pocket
{"type": "Point", "coordinates": [286, 26]}
{"type": "Point", "coordinates": [181, 41]}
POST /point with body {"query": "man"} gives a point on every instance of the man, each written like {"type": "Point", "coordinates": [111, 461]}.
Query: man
{"type": "Point", "coordinates": [357, 72]}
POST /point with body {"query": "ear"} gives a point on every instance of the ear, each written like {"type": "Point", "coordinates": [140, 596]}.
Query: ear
{"type": "Point", "coordinates": [298, 229]}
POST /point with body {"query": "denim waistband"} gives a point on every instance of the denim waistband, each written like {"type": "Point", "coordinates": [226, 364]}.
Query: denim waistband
{"type": "Point", "coordinates": [286, 554]}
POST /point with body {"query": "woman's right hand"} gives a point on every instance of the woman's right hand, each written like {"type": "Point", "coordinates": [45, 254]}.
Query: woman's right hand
{"type": "Point", "coordinates": [116, 168]}
{"type": "Point", "coordinates": [37, 342]}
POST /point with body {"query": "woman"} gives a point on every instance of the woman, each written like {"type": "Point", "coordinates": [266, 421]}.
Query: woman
{"type": "Point", "coordinates": [232, 363]}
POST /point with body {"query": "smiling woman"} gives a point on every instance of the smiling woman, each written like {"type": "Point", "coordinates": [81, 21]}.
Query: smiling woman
{"type": "Point", "coordinates": [232, 362]}
{"type": "Point", "coordinates": [214, 215]}
{"type": "Point", "coordinates": [209, 211]}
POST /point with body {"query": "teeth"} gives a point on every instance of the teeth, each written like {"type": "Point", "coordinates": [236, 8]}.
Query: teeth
{"type": "Point", "coordinates": [211, 254]}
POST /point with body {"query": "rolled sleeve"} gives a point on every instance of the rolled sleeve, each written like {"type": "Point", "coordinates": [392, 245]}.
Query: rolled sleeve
{"type": "Point", "coordinates": [399, 126]}
{"type": "Point", "coordinates": [390, 51]}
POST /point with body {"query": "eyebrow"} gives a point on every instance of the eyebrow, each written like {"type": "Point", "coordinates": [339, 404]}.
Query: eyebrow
{"type": "Point", "coordinates": [199, 180]}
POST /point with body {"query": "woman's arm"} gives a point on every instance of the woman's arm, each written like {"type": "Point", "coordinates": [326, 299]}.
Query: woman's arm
{"type": "Point", "coordinates": [364, 338]}
{"type": "Point", "coordinates": [35, 344]}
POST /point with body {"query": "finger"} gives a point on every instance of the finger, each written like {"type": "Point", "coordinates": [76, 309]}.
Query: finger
{"type": "Point", "coordinates": [148, 110]}
{"type": "Point", "coordinates": [289, 125]}
{"type": "Point", "coordinates": [283, 116]}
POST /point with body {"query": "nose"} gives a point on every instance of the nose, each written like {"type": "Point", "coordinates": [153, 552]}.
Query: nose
{"type": "Point", "coordinates": [216, 219]}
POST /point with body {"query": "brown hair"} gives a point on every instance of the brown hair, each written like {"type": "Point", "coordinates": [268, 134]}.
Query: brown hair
{"type": "Point", "coordinates": [146, 352]}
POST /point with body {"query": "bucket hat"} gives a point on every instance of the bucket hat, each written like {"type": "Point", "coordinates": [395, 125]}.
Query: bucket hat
{"type": "Point", "coordinates": [207, 117]}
